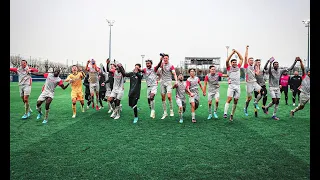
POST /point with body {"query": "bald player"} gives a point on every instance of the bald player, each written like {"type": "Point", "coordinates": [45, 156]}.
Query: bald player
{"type": "Point", "coordinates": [251, 82]}
{"type": "Point", "coordinates": [52, 81]}
{"type": "Point", "coordinates": [304, 88]}
{"type": "Point", "coordinates": [233, 72]}
{"type": "Point", "coordinates": [75, 79]}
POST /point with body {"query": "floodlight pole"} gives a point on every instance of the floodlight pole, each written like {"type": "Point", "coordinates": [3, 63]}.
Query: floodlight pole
{"type": "Point", "coordinates": [110, 23]}
{"type": "Point", "coordinates": [227, 54]}
{"type": "Point", "coordinates": [142, 56]}
{"type": "Point", "coordinates": [307, 24]}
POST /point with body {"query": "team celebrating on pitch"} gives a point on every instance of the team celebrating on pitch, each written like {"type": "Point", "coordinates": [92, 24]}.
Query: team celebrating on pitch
{"type": "Point", "coordinates": [107, 84]}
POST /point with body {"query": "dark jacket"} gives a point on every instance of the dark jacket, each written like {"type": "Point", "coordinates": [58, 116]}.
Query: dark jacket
{"type": "Point", "coordinates": [135, 83]}
{"type": "Point", "coordinates": [102, 79]}
{"type": "Point", "coordinates": [295, 82]}
{"type": "Point", "coordinates": [86, 84]}
{"type": "Point", "coordinates": [110, 77]}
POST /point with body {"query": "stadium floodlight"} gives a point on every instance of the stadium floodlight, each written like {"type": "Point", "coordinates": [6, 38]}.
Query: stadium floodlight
{"type": "Point", "coordinates": [307, 24]}
{"type": "Point", "coordinates": [142, 56]}
{"type": "Point", "coordinates": [110, 23]}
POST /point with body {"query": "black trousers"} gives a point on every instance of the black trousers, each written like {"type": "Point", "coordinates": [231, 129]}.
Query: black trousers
{"type": "Point", "coordinates": [133, 101]}
{"type": "Point", "coordinates": [285, 90]}
{"type": "Point", "coordinates": [294, 94]}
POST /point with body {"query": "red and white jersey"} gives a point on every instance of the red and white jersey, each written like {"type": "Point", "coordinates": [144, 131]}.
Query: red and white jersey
{"type": "Point", "coordinates": [250, 73]}
{"type": "Point", "coordinates": [166, 72]}
{"type": "Point", "coordinates": [151, 76]}
{"type": "Point", "coordinates": [51, 83]}
{"type": "Point", "coordinates": [234, 75]}
{"type": "Point", "coordinates": [24, 76]}
{"type": "Point", "coordinates": [213, 81]}
{"type": "Point", "coordinates": [305, 84]}
{"type": "Point", "coordinates": [193, 84]}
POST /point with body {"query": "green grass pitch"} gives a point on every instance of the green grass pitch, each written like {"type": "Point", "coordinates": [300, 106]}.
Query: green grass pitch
{"type": "Point", "coordinates": [94, 146]}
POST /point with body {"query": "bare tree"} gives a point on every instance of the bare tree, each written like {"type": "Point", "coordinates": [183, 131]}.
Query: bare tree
{"type": "Point", "coordinates": [15, 60]}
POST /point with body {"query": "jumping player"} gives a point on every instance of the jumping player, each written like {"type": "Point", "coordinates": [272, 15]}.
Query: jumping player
{"type": "Point", "coordinates": [117, 91]}
{"type": "Point", "coordinates": [304, 88]}
{"type": "Point", "coordinates": [134, 91]}
{"type": "Point", "coordinates": [193, 82]}
{"type": "Point", "coordinates": [75, 79]}
{"type": "Point", "coordinates": [152, 84]}
{"type": "Point", "coordinates": [261, 80]}
{"type": "Point", "coordinates": [212, 79]}
{"type": "Point", "coordinates": [180, 96]}
{"type": "Point", "coordinates": [167, 70]}
{"type": "Point", "coordinates": [251, 71]}
{"type": "Point", "coordinates": [25, 82]}
{"type": "Point", "coordinates": [233, 73]}
{"type": "Point", "coordinates": [274, 88]}
{"type": "Point", "coordinates": [93, 81]}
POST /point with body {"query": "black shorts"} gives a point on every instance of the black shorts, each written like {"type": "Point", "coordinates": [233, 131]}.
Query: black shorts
{"type": "Point", "coordinates": [263, 91]}
{"type": "Point", "coordinates": [133, 101]}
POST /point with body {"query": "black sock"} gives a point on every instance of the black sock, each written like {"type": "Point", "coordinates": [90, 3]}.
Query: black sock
{"type": "Point", "coordinates": [135, 110]}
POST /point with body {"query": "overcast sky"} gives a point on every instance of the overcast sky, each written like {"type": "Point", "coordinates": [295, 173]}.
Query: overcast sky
{"type": "Point", "coordinates": [77, 29]}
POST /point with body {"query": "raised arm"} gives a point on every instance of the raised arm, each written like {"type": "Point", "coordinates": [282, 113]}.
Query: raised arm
{"type": "Point", "coordinates": [123, 72]}
{"type": "Point", "coordinates": [228, 59]}
{"type": "Point", "coordinates": [14, 69]}
{"type": "Point", "coordinates": [246, 55]}
{"type": "Point", "coordinates": [301, 65]}
{"type": "Point", "coordinates": [269, 70]}
{"type": "Point", "coordinates": [87, 66]}
{"type": "Point", "coordinates": [294, 63]}
{"type": "Point", "coordinates": [102, 68]}
{"type": "Point", "coordinates": [240, 57]}
{"type": "Point", "coordinates": [158, 65]}
{"type": "Point", "coordinates": [266, 65]}
{"type": "Point", "coordinates": [257, 69]}
{"type": "Point", "coordinates": [38, 73]}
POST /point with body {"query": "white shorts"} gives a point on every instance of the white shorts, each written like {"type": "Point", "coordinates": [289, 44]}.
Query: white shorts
{"type": "Point", "coordinates": [252, 86]}
{"type": "Point", "coordinates": [180, 102]}
{"type": "Point", "coordinates": [25, 90]}
{"type": "Point", "coordinates": [94, 87]}
{"type": "Point", "coordinates": [44, 95]}
{"type": "Point", "coordinates": [195, 97]}
{"type": "Point", "coordinates": [275, 92]}
{"type": "Point", "coordinates": [304, 98]}
{"type": "Point", "coordinates": [152, 89]}
{"type": "Point", "coordinates": [215, 94]}
{"type": "Point", "coordinates": [233, 91]}
{"type": "Point", "coordinates": [117, 94]}
{"type": "Point", "coordinates": [108, 93]}
{"type": "Point", "coordinates": [166, 87]}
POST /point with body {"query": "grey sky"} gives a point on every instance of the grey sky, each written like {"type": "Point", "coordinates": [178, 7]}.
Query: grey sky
{"type": "Point", "coordinates": [77, 29]}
